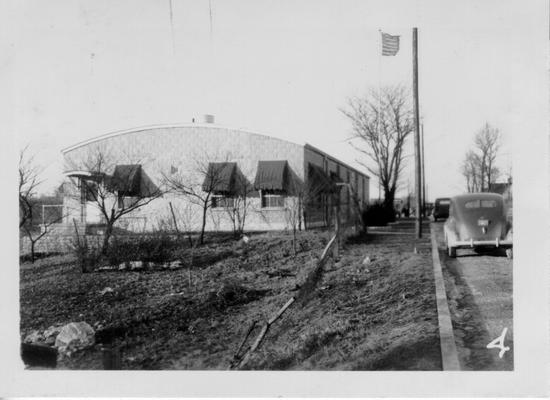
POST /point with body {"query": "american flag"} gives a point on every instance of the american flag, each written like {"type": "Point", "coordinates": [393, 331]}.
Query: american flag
{"type": "Point", "coordinates": [390, 44]}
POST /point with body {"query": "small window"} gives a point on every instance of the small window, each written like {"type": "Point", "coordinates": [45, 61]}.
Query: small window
{"type": "Point", "coordinates": [272, 199]}
{"type": "Point", "coordinates": [444, 202]}
{"type": "Point", "coordinates": [488, 204]}
{"type": "Point", "coordinates": [91, 191]}
{"type": "Point", "coordinates": [221, 201]}
{"type": "Point", "coordinates": [481, 204]}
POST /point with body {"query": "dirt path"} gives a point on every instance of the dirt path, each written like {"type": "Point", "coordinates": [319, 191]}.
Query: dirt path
{"type": "Point", "coordinates": [479, 290]}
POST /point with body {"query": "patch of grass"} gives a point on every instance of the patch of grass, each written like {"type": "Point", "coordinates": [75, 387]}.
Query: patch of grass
{"type": "Point", "coordinates": [231, 294]}
{"type": "Point", "coordinates": [368, 317]}
{"type": "Point", "coordinates": [356, 316]}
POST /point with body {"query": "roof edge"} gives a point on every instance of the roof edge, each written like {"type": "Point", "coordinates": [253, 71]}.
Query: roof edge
{"type": "Point", "coordinates": [309, 146]}
{"type": "Point", "coordinates": [161, 126]}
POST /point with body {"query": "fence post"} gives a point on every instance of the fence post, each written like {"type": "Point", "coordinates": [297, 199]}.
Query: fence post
{"type": "Point", "coordinates": [337, 232]}
{"type": "Point", "coordinates": [76, 232]}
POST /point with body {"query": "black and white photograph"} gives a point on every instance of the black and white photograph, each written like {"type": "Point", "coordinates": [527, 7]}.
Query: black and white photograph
{"type": "Point", "coordinates": [300, 186]}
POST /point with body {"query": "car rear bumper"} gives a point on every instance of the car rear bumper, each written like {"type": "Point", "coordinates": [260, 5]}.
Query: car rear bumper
{"type": "Point", "coordinates": [482, 243]}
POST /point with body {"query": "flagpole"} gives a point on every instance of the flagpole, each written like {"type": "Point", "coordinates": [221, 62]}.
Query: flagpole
{"type": "Point", "coordinates": [379, 107]}
{"type": "Point", "coordinates": [416, 135]}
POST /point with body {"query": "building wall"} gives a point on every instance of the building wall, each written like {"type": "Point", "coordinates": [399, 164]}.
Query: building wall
{"type": "Point", "coordinates": [346, 174]}
{"type": "Point", "coordinates": [164, 149]}
{"type": "Point", "coordinates": [159, 150]}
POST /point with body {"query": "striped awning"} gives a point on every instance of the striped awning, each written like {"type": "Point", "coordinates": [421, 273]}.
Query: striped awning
{"type": "Point", "coordinates": [132, 181]}
{"type": "Point", "coordinates": [271, 175]}
{"type": "Point", "coordinates": [220, 177]}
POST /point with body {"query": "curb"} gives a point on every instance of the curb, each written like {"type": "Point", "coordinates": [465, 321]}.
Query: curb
{"type": "Point", "coordinates": [449, 355]}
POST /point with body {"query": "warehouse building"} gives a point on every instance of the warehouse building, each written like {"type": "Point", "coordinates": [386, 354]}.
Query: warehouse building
{"type": "Point", "coordinates": [271, 183]}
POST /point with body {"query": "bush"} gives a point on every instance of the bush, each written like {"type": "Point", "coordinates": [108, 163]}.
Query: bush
{"type": "Point", "coordinates": [87, 256]}
{"type": "Point", "coordinates": [378, 215]}
{"type": "Point", "coordinates": [159, 247]}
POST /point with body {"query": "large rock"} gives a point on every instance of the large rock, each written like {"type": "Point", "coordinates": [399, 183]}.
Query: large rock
{"type": "Point", "coordinates": [75, 336]}
{"type": "Point", "coordinates": [53, 330]}
{"type": "Point", "coordinates": [34, 337]}
{"type": "Point", "coordinates": [51, 333]}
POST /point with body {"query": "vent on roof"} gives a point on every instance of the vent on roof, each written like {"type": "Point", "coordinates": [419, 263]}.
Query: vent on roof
{"type": "Point", "coordinates": [208, 119]}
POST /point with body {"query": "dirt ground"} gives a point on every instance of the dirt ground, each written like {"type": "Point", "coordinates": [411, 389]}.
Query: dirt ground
{"type": "Point", "coordinates": [375, 316]}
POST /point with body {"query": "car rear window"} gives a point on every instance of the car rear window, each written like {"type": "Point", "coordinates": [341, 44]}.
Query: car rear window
{"type": "Point", "coordinates": [481, 203]}
{"type": "Point", "coordinates": [444, 202]}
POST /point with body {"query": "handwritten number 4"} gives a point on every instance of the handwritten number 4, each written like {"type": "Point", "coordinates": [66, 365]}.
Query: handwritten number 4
{"type": "Point", "coordinates": [498, 343]}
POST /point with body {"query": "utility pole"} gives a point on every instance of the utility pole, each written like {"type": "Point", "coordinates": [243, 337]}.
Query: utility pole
{"type": "Point", "coordinates": [418, 183]}
{"type": "Point", "coordinates": [423, 176]}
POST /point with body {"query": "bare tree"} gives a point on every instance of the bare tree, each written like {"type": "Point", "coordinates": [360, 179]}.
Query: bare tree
{"type": "Point", "coordinates": [294, 209]}
{"type": "Point", "coordinates": [29, 180]}
{"type": "Point", "coordinates": [201, 184]}
{"type": "Point", "coordinates": [471, 171]}
{"type": "Point", "coordinates": [36, 232]}
{"type": "Point", "coordinates": [110, 194]}
{"type": "Point", "coordinates": [238, 209]}
{"type": "Point", "coordinates": [381, 121]}
{"type": "Point", "coordinates": [487, 142]}
{"type": "Point", "coordinates": [479, 167]}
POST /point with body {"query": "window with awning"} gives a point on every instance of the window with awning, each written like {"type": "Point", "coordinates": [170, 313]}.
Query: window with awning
{"type": "Point", "coordinates": [220, 177]}
{"type": "Point", "coordinates": [272, 180]}
{"type": "Point", "coordinates": [130, 180]}
{"type": "Point", "coordinates": [272, 175]}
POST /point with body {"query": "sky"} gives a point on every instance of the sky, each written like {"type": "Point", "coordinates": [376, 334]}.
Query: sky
{"type": "Point", "coordinates": [80, 69]}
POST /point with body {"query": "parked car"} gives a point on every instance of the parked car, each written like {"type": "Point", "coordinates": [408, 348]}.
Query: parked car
{"type": "Point", "coordinates": [477, 221]}
{"type": "Point", "coordinates": [441, 208]}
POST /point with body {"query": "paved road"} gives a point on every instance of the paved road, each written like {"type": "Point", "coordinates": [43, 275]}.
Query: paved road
{"type": "Point", "coordinates": [479, 291]}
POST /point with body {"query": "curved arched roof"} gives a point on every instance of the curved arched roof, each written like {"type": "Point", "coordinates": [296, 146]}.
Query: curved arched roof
{"type": "Point", "coordinates": [167, 126]}
{"type": "Point", "coordinates": [207, 126]}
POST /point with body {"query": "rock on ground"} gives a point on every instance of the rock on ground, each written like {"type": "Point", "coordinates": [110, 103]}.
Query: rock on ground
{"type": "Point", "coordinates": [75, 336]}
{"type": "Point", "coordinates": [34, 337]}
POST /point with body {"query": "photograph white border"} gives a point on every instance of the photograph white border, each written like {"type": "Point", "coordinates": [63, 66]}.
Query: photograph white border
{"type": "Point", "coordinates": [531, 285]}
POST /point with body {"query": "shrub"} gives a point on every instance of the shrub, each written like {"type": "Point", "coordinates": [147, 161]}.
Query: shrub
{"type": "Point", "coordinates": [120, 251]}
{"type": "Point", "coordinates": [158, 247]}
{"type": "Point", "coordinates": [87, 256]}
{"type": "Point", "coordinates": [378, 215]}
